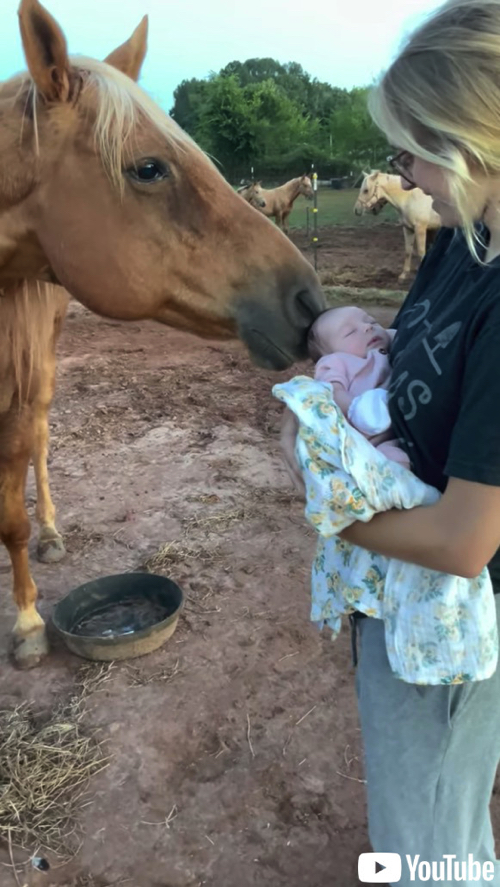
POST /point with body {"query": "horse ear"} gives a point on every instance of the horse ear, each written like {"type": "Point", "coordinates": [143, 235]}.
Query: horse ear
{"type": "Point", "coordinates": [45, 50]}
{"type": "Point", "coordinates": [128, 57]}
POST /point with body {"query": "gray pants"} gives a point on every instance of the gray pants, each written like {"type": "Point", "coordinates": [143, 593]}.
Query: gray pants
{"type": "Point", "coordinates": [431, 755]}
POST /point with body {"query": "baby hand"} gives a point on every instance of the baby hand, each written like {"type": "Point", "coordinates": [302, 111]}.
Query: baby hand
{"type": "Point", "coordinates": [369, 412]}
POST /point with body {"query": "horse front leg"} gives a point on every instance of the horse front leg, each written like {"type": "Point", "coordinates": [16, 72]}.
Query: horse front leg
{"type": "Point", "coordinates": [284, 223]}
{"type": "Point", "coordinates": [409, 235]}
{"type": "Point", "coordinates": [50, 548]}
{"type": "Point", "coordinates": [29, 635]}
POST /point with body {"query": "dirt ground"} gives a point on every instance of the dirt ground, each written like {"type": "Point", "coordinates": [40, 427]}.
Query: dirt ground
{"type": "Point", "coordinates": [358, 256]}
{"type": "Point", "coordinates": [235, 748]}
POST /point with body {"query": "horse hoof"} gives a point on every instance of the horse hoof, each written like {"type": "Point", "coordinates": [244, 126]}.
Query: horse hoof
{"type": "Point", "coordinates": [402, 278]}
{"type": "Point", "coordinates": [30, 649]}
{"type": "Point", "coordinates": [50, 550]}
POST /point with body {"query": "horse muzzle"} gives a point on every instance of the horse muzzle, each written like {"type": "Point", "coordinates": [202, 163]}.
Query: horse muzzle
{"type": "Point", "coordinates": [275, 333]}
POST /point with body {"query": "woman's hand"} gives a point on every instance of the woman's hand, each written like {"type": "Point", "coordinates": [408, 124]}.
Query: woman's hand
{"type": "Point", "coordinates": [289, 430]}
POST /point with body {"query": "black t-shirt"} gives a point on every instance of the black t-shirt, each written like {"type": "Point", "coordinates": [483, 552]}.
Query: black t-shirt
{"type": "Point", "coordinates": [444, 397]}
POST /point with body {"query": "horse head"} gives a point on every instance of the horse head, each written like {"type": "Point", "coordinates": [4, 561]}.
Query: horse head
{"type": "Point", "coordinates": [103, 193]}
{"type": "Point", "coordinates": [305, 187]}
{"type": "Point", "coordinates": [369, 196]}
{"type": "Point", "coordinates": [253, 195]}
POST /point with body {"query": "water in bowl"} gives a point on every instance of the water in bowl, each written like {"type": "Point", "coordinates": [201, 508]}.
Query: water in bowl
{"type": "Point", "coordinates": [122, 617]}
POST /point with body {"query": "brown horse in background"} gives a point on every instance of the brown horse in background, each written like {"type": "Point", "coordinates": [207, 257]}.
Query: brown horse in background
{"type": "Point", "coordinates": [102, 193]}
{"type": "Point", "coordinates": [278, 202]}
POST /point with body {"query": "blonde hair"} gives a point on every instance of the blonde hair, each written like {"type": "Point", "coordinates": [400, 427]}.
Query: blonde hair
{"type": "Point", "coordinates": [31, 313]}
{"type": "Point", "coordinates": [440, 98]}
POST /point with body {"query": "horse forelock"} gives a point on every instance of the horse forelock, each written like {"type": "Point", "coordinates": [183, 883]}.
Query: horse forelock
{"type": "Point", "coordinates": [121, 105]}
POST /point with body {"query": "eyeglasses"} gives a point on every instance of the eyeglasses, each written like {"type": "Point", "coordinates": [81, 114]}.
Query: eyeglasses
{"type": "Point", "coordinates": [402, 164]}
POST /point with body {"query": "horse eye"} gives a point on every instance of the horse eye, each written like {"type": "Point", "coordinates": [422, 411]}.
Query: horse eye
{"type": "Point", "coordinates": [148, 171]}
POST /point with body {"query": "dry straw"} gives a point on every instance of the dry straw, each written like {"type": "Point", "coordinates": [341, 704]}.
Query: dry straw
{"type": "Point", "coordinates": [46, 762]}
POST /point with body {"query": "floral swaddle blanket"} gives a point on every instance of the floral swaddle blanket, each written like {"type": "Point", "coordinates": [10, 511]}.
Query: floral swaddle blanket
{"type": "Point", "coordinates": [439, 628]}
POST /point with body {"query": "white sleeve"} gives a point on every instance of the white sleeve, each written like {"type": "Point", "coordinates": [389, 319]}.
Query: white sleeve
{"type": "Point", "coordinates": [369, 412]}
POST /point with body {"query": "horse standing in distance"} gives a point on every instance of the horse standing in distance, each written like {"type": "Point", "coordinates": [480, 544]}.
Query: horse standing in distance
{"type": "Point", "coordinates": [103, 194]}
{"type": "Point", "coordinates": [278, 203]}
{"type": "Point", "coordinates": [414, 208]}
{"type": "Point", "coordinates": [251, 193]}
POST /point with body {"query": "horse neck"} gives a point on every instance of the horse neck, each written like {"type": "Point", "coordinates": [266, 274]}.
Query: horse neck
{"type": "Point", "coordinates": [292, 188]}
{"type": "Point", "coordinates": [390, 188]}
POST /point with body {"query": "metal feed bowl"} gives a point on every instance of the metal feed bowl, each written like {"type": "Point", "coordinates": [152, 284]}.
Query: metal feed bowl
{"type": "Point", "coordinates": [93, 597]}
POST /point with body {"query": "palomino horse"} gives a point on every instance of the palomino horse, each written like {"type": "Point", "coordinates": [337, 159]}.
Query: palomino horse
{"type": "Point", "coordinates": [414, 208]}
{"type": "Point", "coordinates": [250, 193]}
{"type": "Point", "coordinates": [278, 202]}
{"type": "Point", "coordinates": [102, 193]}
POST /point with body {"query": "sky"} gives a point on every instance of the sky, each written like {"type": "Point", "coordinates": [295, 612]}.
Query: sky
{"type": "Point", "coordinates": [344, 42]}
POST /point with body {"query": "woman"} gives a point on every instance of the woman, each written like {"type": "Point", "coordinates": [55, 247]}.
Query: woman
{"type": "Point", "coordinates": [431, 752]}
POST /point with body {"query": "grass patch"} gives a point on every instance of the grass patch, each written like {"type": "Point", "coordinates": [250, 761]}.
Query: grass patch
{"type": "Point", "coordinates": [337, 208]}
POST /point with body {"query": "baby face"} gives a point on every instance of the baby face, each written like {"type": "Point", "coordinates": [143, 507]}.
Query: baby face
{"type": "Point", "coordinates": [350, 330]}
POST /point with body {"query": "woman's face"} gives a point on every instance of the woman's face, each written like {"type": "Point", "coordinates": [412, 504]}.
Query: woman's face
{"type": "Point", "coordinates": [433, 180]}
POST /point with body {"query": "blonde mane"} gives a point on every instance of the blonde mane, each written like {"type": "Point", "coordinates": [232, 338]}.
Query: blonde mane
{"type": "Point", "coordinates": [120, 105]}
{"type": "Point", "coordinates": [27, 321]}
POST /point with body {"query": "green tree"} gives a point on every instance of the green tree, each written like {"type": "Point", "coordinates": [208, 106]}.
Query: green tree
{"type": "Point", "coordinates": [354, 136]}
{"type": "Point", "coordinates": [278, 119]}
{"type": "Point", "coordinates": [312, 97]}
{"type": "Point", "coordinates": [225, 127]}
{"type": "Point", "coordinates": [189, 101]}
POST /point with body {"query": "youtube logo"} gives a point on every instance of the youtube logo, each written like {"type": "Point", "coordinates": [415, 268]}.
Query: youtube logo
{"type": "Point", "coordinates": [379, 868]}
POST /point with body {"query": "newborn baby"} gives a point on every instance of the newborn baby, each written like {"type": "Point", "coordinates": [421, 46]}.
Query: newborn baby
{"type": "Point", "coordinates": [350, 350]}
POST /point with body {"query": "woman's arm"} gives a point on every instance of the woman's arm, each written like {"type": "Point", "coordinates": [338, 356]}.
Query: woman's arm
{"type": "Point", "coordinates": [458, 535]}
{"type": "Point", "coordinates": [288, 436]}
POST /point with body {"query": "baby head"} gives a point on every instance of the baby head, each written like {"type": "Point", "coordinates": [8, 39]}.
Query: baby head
{"type": "Point", "coordinates": [346, 329]}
